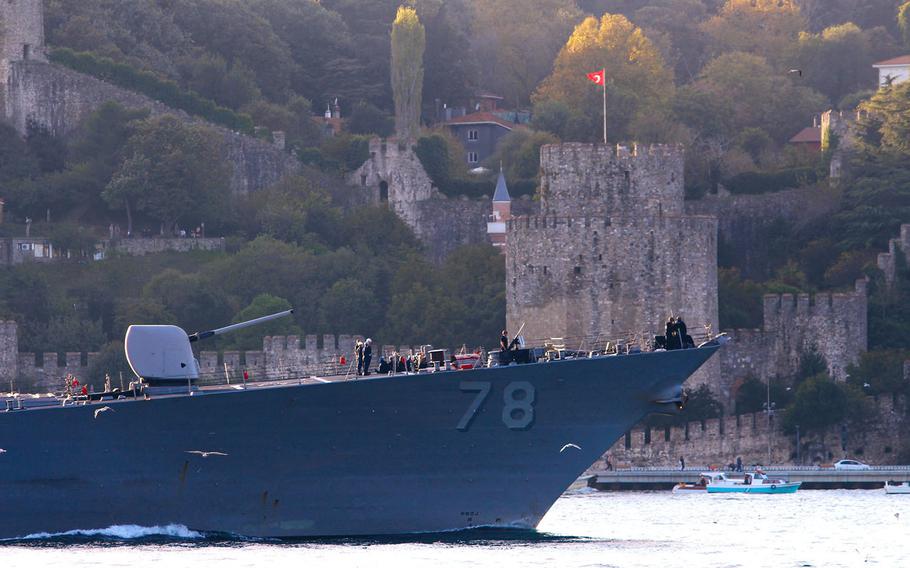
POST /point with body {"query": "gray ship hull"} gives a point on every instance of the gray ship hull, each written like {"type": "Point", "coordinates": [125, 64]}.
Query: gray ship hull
{"type": "Point", "coordinates": [384, 455]}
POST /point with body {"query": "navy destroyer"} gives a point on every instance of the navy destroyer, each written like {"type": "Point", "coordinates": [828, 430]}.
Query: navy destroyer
{"type": "Point", "coordinates": [428, 451]}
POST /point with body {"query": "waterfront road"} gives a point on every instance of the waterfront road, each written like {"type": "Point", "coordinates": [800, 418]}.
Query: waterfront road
{"type": "Point", "coordinates": [812, 477]}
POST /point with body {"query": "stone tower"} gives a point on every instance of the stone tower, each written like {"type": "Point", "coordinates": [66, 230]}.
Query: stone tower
{"type": "Point", "coordinates": [21, 34]}
{"type": "Point", "coordinates": [613, 252]}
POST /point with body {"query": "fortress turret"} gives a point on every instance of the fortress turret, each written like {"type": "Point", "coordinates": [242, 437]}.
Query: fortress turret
{"type": "Point", "coordinates": [613, 252]}
{"type": "Point", "coordinates": [21, 33]}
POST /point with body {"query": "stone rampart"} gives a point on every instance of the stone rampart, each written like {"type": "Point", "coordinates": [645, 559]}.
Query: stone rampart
{"type": "Point", "coordinates": [60, 99]}
{"type": "Point", "coordinates": [142, 246]}
{"type": "Point", "coordinates": [747, 222]}
{"type": "Point", "coordinates": [835, 325]}
{"type": "Point", "coordinates": [719, 441]}
{"type": "Point", "coordinates": [898, 256]}
{"type": "Point", "coordinates": [446, 224]}
{"type": "Point", "coordinates": [44, 372]}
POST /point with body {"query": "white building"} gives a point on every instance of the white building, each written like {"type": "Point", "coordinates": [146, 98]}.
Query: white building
{"type": "Point", "coordinates": [893, 71]}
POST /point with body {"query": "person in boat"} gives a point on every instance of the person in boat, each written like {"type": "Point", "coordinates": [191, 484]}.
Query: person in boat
{"type": "Point", "coordinates": [504, 341]}
{"type": "Point", "coordinates": [367, 355]}
{"type": "Point", "coordinates": [384, 366]}
{"type": "Point", "coordinates": [739, 463]}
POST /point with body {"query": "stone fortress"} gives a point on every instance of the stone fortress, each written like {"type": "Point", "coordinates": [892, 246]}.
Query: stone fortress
{"type": "Point", "coordinates": [35, 90]}
{"type": "Point", "coordinates": [612, 252]}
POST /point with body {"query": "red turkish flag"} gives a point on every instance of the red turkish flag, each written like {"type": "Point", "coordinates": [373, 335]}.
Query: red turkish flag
{"type": "Point", "coordinates": [598, 77]}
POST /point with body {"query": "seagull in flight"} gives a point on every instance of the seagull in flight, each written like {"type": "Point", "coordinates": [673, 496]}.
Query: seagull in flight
{"type": "Point", "coordinates": [567, 446]}
{"type": "Point", "coordinates": [2, 451]}
{"type": "Point", "coordinates": [796, 72]}
{"type": "Point", "coordinates": [103, 409]}
{"type": "Point", "coordinates": [205, 454]}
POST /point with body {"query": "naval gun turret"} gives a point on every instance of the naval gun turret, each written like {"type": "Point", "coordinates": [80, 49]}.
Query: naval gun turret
{"type": "Point", "coordinates": [162, 354]}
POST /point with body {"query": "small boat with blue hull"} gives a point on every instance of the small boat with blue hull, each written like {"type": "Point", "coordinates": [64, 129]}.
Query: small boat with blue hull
{"type": "Point", "coordinates": [752, 482]}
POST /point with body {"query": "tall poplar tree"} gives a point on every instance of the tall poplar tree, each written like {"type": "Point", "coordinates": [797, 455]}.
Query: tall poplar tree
{"type": "Point", "coordinates": [408, 43]}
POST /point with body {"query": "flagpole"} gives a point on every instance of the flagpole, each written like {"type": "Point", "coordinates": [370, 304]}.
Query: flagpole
{"type": "Point", "coordinates": [605, 107]}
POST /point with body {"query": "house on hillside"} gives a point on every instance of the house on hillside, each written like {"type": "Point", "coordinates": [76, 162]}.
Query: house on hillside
{"type": "Point", "coordinates": [479, 132]}
{"type": "Point", "coordinates": [809, 139]}
{"type": "Point", "coordinates": [481, 129]}
{"type": "Point", "coordinates": [893, 71]}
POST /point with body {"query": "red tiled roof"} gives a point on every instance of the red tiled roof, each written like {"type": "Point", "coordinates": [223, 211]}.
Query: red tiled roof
{"type": "Point", "coordinates": [902, 60]}
{"type": "Point", "coordinates": [480, 118]}
{"type": "Point", "coordinates": [809, 134]}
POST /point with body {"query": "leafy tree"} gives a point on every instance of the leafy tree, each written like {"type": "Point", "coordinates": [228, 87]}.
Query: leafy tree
{"type": "Point", "coordinates": [763, 28]}
{"type": "Point", "coordinates": [296, 211]}
{"type": "Point", "coordinates": [903, 21]}
{"type": "Point", "coordinates": [194, 303]}
{"type": "Point", "coordinates": [450, 70]}
{"type": "Point", "coordinates": [838, 61]}
{"type": "Point", "coordinates": [368, 119]}
{"type": "Point", "coordinates": [821, 403]}
{"type": "Point", "coordinates": [639, 85]}
{"type": "Point", "coordinates": [408, 43]}
{"type": "Point", "coordinates": [350, 307]}
{"type": "Point", "coordinates": [685, 43]}
{"type": "Point", "coordinates": [519, 154]}
{"type": "Point", "coordinates": [49, 150]}
{"type": "Point", "coordinates": [251, 338]}
{"type": "Point", "coordinates": [16, 162]}
{"type": "Point", "coordinates": [174, 173]}
{"type": "Point", "coordinates": [879, 372]}
{"type": "Point", "coordinates": [210, 75]}
{"type": "Point", "coordinates": [751, 95]}
{"type": "Point", "coordinates": [440, 154]}
{"type": "Point", "coordinates": [234, 31]}
{"type": "Point", "coordinates": [515, 53]}
{"type": "Point", "coordinates": [739, 301]}
{"type": "Point", "coordinates": [752, 395]}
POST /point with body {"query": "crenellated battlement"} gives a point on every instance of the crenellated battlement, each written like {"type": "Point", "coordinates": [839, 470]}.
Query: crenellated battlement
{"type": "Point", "coordinates": [719, 441]}
{"type": "Point", "coordinates": [600, 180]}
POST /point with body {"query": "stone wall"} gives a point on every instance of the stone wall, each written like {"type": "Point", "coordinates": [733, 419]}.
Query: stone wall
{"type": "Point", "coordinates": [143, 246]}
{"type": "Point", "coordinates": [747, 222]}
{"type": "Point", "coordinates": [898, 255]}
{"type": "Point", "coordinates": [9, 354]}
{"type": "Point", "coordinates": [44, 372]}
{"type": "Point", "coordinates": [834, 324]}
{"type": "Point", "coordinates": [446, 224]}
{"type": "Point", "coordinates": [719, 441]}
{"type": "Point", "coordinates": [612, 253]}
{"type": "Point", "coordinates": [394, 174]}
{"type": "Point", "coordinates": [60, 99]}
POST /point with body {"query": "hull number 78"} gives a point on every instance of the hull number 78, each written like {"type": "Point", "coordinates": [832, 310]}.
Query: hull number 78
{"type": "Point", "coordinates": [518, 400]}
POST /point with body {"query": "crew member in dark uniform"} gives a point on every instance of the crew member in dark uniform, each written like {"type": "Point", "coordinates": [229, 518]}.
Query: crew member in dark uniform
{"type": "Point", "coordinates": [682, 331]}
{"type": "Point", "coordinates": [672, 334]}
{"type": "Point", "coordinates": [504, 341]}
{"type": "Point", "coordinates": [367, 356]}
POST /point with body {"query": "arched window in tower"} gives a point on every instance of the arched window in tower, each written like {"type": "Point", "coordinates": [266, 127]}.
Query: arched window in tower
{"type": "Point", "coordinates": [383, 191]}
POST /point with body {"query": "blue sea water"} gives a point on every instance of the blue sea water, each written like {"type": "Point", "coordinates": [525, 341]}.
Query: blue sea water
{"type": "Point", "coordinates": [827, 529]}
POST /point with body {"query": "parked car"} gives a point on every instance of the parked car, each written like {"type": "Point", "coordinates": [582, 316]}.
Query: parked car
{"type": "Point", "coordinates": [850, 464]}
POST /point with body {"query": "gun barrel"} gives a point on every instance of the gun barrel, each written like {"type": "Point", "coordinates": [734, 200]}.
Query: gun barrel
{"type": "Point", "coordinates": [234, 327]}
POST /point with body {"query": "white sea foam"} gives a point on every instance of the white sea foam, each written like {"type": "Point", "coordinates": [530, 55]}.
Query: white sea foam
{"type": "Point", "coordinates": [124, 532]}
